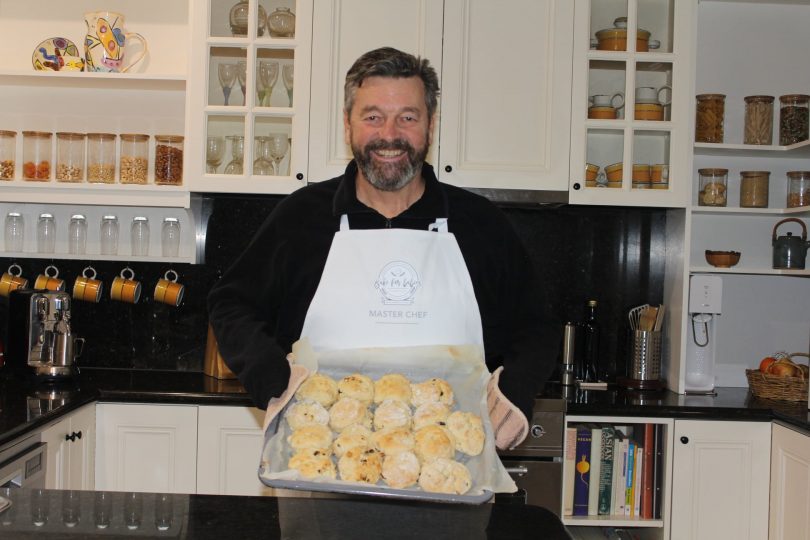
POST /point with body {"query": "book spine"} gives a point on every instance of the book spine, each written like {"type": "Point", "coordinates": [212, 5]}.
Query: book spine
{"type": "Point", "coordinates": [595, 473]}
{"type": "Point", "coordinates": [582, 468]}
{"type": "Point", "coordinates": [637, 474]}
{"type": "Point", "coordinates": [606, 473]}
{"type": "Point", "coordinates": [628, 484]}
{"type": "Point", "coordinates": [570, 463]}
{"type": "Point", "coordinates": [647, 485]}
{"type": "Point", "coordinates": [620, 478]}
{"type": "Point", "coordinates": [658, 470]}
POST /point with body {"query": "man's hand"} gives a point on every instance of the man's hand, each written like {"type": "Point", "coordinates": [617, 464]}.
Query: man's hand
{"type": "Point", "coordinates": [297, 375]}
{"type": "Point", "coordinates": [510, 425]}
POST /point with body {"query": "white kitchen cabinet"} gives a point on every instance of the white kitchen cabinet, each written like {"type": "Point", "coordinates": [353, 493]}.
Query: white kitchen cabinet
{"type": "Point", "coordinates": [147, 448]}
{"type": "Point", "coordinates": [721, 485]}
{"type": "Point", "coordinates": [71, 450]}
{"type": "Point", "coordinates": [790, 485]}
{"type": "Point", "coordinates": [230, 442]}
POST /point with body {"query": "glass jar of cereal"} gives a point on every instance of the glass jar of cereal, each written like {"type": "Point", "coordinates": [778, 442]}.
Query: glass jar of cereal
{"type": "Point", "coordinates": [713, 187]}
{"type": "Point", "coordinates": [101, 158]}
{"type": "Point", "coordinates": [8, 148]}
{"type": "Point", "coordinates": [134, 164]}
{"type": "Point", "coordinates": [798, 191]}
{"type": "Point", "coordinates": [169, 160]}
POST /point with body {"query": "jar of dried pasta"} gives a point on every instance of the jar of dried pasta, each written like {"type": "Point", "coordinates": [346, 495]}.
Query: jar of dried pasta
{"type": "Point", "coordinates": [793, 118]}
{"type": "Point", "coordinates": [798, 191]}
{"type": "Point", "coordinates": [758, 120]}
{"type": "Point", "coordinates": [709, 116]}
{"type": "Point", "coordinates": [713, 187]}
{"type": "Point", "coordinates": [169, 160]}
{"type": "Point", "coordinates": [101, 158]}
{"type": "Point", "coordinates": [754, 189]}
{"type": "Point", "coordinates": [133, 167]}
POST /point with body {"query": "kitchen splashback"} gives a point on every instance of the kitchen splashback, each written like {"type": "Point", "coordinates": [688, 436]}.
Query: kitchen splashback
{"type": "Point", "coordinates": [612, 254]}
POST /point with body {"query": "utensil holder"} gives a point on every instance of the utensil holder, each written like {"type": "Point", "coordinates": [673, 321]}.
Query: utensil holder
{"type": "Point", "coordinates": [645, 364]}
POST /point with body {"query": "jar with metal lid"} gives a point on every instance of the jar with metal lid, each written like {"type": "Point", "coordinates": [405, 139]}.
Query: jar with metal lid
{"type": "Point", "coordinates": [8, 149]}
{"type": "Point", "coordinates": [793, 118]}
{"type": "Point", "coordinates": [70, 157]}
{"type": "Point", "coordinates": [46, 233]}
{"type": "Point", "coordinates": [758, 120]}
{"type": "Point", "coordinates": [101, 158]}
{"type": "Point", "coordinates": [798, 191]}
{"type": "Point", "coordinates": [709, 117]}
{"type": "Point", "coordinates": [139, 235]}
{"type": "Point", "coordinates": [134, 163]}
{"type": "Point", "coordinates": [108, 235]}
{"type": "Point", "coordinates": [713, 187]}
{"type": "Point", "coordinates": [77, 234]}
{"type": "Point", "coordinates": [37, 155]}
{"type": "Point", "coordinates": [169, 160]}
{"type": "Point", "coordinates": [754, 189]}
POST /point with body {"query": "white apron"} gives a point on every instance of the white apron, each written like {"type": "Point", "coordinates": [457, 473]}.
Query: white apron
{"type": "Point", "coordinates": [393, 288]}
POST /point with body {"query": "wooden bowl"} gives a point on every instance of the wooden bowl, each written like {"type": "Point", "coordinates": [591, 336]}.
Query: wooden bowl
{"type": "Point", "coordinates": [722, 259]}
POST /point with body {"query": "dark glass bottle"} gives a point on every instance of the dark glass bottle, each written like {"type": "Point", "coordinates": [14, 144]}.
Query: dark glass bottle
{"type": "Point", "coordinates": [590, 329]}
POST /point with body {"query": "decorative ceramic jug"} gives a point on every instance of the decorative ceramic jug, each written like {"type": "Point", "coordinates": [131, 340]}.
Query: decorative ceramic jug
{"type": "Point", "coordinates": [105, 42]}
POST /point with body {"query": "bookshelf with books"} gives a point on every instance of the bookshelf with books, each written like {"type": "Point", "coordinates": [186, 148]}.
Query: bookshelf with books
{"type": "Point", "coordinates": [617, 473]}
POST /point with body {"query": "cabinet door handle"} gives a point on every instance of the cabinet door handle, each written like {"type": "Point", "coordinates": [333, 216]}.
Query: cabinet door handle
{"type": "Point", "coordinates": [685, 439]}
{"type": "Point", "coordinates": [448, 168]}
{"type": "Point", "coordinates": [576, 186]}
{"type": "Point", "coordinates": [299, 176]}
{"type": "Point", "coordinates": [73, 436]}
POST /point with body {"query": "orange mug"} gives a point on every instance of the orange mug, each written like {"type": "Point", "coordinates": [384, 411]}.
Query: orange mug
{"type": "Point", "coordinates": [168, 290]}
{"type": "Point", "coordinates": [49, 280]}
{"type": "Point", "coordinates": [12, 280]}
{"type": "Point", "coordinates": [124, 288]}
{"type": "Point", "coordinates": [87, 287]}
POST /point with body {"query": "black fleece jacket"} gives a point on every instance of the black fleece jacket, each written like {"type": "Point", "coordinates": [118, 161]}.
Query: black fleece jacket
{"type": "Point", "coordinates": [257, 309]}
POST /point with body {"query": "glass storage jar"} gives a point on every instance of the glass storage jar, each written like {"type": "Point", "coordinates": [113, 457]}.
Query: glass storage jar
{"type": "Point", "coordinates": [709, 116]}
{"type": "Point", "coordinates": [798, 191]}
{"type": "Point", "coordinates": [101, 158]}
{"type": "Point", "coordinates": [793, 118]}
{"type": "Point", "coordinates": [8, 149]}
{"type": "Point", "coordinates": [754, 189]}
{"type": "Point", "coordinates": [108, 235]}
{"type": "Point", "coordinates": [238, 18]}
{"type": "Point", "coordinates": [281, 23]}
{"type": "Point", "coordinates": [77, 234]}
{"type": "Point", "coordinates": [15, 232]}
{"type": "Point", "coordinates": [169, 160]}
{"type": "Point", "coordinates": [70, 157]}
{"type": "Point", "coordinates": [139, 235]}
{"type": "Point", "coordinates": [46, 233]}
{"type": "Point", "coordinates": [758, 120]}
{"type": "Point", "coordinates": [170, 237]}
{"type": "Point", "coordinates": [37, 150]}
{"type": "Point", "coordinates": [134, 164]}
{"type": "Point", "coordinates": [713, 187]}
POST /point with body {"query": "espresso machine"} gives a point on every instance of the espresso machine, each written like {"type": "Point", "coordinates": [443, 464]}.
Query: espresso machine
{"type": "Point", "coordinates": [39, 334]}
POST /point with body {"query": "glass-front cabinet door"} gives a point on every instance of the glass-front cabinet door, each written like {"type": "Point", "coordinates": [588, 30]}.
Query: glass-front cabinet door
{"type": "Point", "coordinates": [248, 96]}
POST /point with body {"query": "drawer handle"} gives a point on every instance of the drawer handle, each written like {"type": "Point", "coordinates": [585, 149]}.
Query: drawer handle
{"type": "Point", "coordinates": [520, 469]}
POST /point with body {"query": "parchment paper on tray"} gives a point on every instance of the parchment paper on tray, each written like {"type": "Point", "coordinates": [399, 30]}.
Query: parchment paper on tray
{"type": "Point", "coordinates": [461, 366]}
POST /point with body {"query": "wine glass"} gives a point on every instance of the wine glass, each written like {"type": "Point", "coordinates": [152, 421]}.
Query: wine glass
{"type": "Point", "coordinates": [262, 166]}
{"type": "Point", "coordinates": [227, 76]}
{"type": "Point", "coordinates": [268, 73]}
{"type": "Point", "coordinates": [241, 75]}
{"type": "Point", "coordinates": [214, 150]}
{"type": "Point", "coordinates": [287, 77]}
{"type": "Point", "coordinates": [278, 144]}
{"type": "Point", "coordinates": [237, 154]}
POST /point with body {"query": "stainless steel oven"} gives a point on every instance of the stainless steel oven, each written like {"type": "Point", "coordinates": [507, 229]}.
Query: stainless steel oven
{"type": "Point", "coordinates": [23, 462]}
{"type": "Point", "coordinates": [536, 464]}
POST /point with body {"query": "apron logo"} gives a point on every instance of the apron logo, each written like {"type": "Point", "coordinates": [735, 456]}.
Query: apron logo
{"type": "Point", "coordinates": [397, 282]}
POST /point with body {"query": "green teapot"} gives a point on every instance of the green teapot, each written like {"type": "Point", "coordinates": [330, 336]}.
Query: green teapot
{"type": "Point", "coordinates": [790, 252]}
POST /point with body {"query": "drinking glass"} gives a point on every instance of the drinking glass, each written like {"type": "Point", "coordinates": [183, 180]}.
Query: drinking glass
{"type": "Point", "coordinates": [133, 510]}
{"type": "Point", "coordinates": [46, 233]}
{"type": "Point", "coordinates": [227, 76]}
{"type": "Point", "coordinates": [268, 73]}
{"type": "Point", "coordinates": [214, 150]}
{"type": "Point", "coordinates": [237, 154]}
{"type": "Point", "coordinates": [278, 145]}
{"type": "Point", "coordinates": [287, 77]}
{"type": "Point", "coordinates": [15, 231]}
{"type": "Point", "coordinates": [241, 76]}
{"type": "Point", "coordinates": [263, 165]}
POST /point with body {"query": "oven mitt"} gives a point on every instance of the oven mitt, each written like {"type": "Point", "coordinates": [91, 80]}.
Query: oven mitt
{"type": "Point", "coordinates": [508, 422]}
{"type": "Point", "coordinates": [297, 375]}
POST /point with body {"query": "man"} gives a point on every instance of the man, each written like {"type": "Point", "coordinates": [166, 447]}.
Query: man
{"type": "Point", "coordinates": [334, 262]}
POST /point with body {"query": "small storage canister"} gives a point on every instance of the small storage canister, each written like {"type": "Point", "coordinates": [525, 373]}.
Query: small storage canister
{"type": "Point", "coordinates": [37, 155]}
{"type": "Point", "coordinates": [169, 160]}
{"type": "Point", "coordinates": [713, 187]}
{"type": "Point", "coordinates": [758, 120]}
{"type": "Point", "coordinates": [754, 189]}
{"type": "Point", "coordinates": [134, 166]}
{"type": "Point", "coordinates": [793, 118]}
{"type": "Point", "coordinates": [101, 158]}
{"type": "Point", "coordinates": [798, 192]}
{"type": "Point", "coordinates": [70, 157]}
{"type": "Point", "coordinates": [709, 117]}
{"type": "Point", "coordinates": [8, 140]}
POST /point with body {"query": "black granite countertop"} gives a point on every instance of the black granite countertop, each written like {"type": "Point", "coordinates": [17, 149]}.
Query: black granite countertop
{"type": "Point", "coordinates": [73, 515]}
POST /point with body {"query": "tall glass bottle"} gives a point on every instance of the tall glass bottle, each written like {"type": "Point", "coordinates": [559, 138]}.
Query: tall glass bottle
{"type": "Point", "coordinates": [591, 331]}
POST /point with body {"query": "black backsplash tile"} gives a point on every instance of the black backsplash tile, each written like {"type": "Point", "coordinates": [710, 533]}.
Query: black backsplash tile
{"type": "Point", "coordinates": [612, 254]}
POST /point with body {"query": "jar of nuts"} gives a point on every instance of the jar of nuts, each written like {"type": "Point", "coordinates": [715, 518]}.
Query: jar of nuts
{"type": "Point", "coordinates": [37, 155]}
{"type": "Point", "coordinates": [70, 157]}
{"type": "Point", "coordinates": [709, 117]}
{"type": "Point", "coordinates": [101, 158]}
{"type": "Point", "coordinates": [8, 144]}
{"type": "Point", "coordinates": [169, 160]}
{"type": "Point", "coordinates": [798, 192]}
{"type": "Point", "coordinates": [134, 163]}
{"type": "Point", "coordinates": [758, 120]}
{"type": "Point", "coordinates": [713, 187]}
{"type": "Point", "coordinates": [793, 118]}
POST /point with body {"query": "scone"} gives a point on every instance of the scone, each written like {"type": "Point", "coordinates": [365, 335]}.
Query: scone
{"type": "Point", "coordinates": [318, 387]}
{"type": "Point", "coordinates": [303, 413]}
{"type": "Point", "coordinates": [430, 413]}
{"type": "Point", "coordinates": [313, 437]}
{"type": "Point", "coordinates": [358, 387]}
{"type": "Point", "coordinates": [347, 411]}
{"type": "Point", "coordinates": [433, 442]}
{"type": "Point", "coordinates": [392, 413]}
{"type": "Point", "coordinates": [393, 441]}
{"type": "Point", "coordinates": [400, 470]}
{"type": "Point", "coordinates": [392, 386]}
{"type": "Point", "coordinates": [445, 476]}
{"type": "Point", "coordinates": [468, 431]}
{"type": "Point", "coordinates": [312, 464]}
{"type": "Point", "coordinates": [430, 391]}
{"type": "Point", "coordinates": [361, 464]}
{"type": "Point", "coordinates": [352, 436]}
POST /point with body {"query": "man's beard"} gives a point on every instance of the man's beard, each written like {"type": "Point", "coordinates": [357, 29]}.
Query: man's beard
{"type": "Point", "coordinates": [389, 176]}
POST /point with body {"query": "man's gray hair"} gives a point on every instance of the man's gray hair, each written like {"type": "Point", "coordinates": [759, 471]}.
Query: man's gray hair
{"type": "Point", "coordinates": [390, 62]}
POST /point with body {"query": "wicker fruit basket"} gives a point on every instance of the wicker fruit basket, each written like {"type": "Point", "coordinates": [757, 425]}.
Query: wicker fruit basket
{"type": "Point", "coordinates": [767, 386]}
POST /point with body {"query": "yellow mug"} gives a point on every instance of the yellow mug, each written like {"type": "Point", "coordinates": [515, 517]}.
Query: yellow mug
{"type": "Point", "coordinates": [124, 288]}
{"type": "Point", "coordinates": [87, 287]}
{"type": "Point", "coordinates": [49, 280]}
{"type": "Point", "coordinates": [168, 290]}
{"type": "Point", "coordinates": [12, 280]}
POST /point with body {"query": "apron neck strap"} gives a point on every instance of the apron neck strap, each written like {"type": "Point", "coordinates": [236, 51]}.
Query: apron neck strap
{"type": "Point", "coordinates": [344, 222]}
{"type": "Point", "coordinates": [439, 225]}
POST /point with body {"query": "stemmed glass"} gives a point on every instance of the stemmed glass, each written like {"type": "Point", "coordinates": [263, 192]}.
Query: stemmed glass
{"type": "Point", "coordinates": [287, 77]}
{"type": "Point", "coordinates": [268, 74]}
{"type": "Point", "coordinates": [237, 154]}
{"type": "Point", "coordinates": [214, 150]}
{"type": "Point", "coordinates": [262, 166]}
{"type": "Point", "coordinates": [278, 144]}
{"type": "Point", "coordinates": [227, 76]}
{"type": "Point", "coordinates": [241, 75]}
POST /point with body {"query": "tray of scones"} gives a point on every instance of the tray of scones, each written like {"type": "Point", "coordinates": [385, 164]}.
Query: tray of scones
{"type": "Point", "coordinates": [403, 423]}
